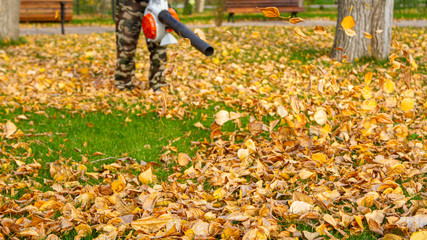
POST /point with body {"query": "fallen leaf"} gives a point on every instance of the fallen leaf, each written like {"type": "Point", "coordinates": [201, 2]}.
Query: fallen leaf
{"type": "Point", "coordinates": [319, 30]}
{"type": "Point", "coordinates": [270, 12]}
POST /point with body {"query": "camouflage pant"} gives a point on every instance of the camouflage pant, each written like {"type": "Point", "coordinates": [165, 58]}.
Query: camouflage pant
{"type": "Point", "coordinates": [129, 16]}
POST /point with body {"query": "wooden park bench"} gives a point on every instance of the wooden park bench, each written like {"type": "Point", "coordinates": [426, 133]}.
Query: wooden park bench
{"type": "Point", "coordinates": [252, 6]}
{"type": "Point", "coordinates": [45, 10]}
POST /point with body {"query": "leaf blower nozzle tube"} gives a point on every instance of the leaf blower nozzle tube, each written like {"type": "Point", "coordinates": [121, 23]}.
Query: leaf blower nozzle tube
{"type": "Point", "coordinates": [166, 18]}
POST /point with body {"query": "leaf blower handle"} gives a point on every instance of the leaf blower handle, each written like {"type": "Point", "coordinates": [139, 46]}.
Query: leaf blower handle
{"type": "Point", "coordinates": [166, 18]}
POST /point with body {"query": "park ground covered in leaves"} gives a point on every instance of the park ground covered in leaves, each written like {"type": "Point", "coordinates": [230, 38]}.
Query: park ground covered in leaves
{"type": "Point", "coordinates": [283, 142]}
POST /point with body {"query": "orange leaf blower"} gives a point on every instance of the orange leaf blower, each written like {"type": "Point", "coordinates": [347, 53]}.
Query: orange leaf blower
{"type": "Point", "coordinates": [159, 20]}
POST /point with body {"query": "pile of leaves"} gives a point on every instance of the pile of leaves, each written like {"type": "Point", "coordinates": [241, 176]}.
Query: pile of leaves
{"type": "Point", "coordinates": [334, 147]}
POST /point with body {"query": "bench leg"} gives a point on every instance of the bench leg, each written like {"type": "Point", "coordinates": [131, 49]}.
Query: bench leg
{"type": "Point", "coordinates": [294, 14]}
{"type": "Point", "coordinates": [230, 17]}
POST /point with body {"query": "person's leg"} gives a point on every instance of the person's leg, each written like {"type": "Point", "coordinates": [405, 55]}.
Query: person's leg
{"type": "Point", "coordinates": [158, 59]}
{"type": "Point", "coordinates": [129, 16]}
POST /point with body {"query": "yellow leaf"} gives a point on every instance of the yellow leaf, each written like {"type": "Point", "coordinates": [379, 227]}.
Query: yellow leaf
{"type": "Point", "coordinates": [219, 193]}
{"type": "Point", "coordinates": [230, 233]}
{"type": "Point", "coordinates": [250, 145]}
{"type": "Point", "coordinates": [388, 86]}
{"type": "Point", "coordinates": [215, 60]}
{"type": "Point", "coordinates": [369, 105]}
{"type": "Point", "coordinates": [368, 78]}
{"type": "Point", "coordinates": [366, 92]}
{"type": "Point", "coordinates": [359, 222]}
{"type": "Point", "coordinates": [348, 23]}
{"type": "Point", "coordinates": [320, 158]}
{"type": "Point", "coordinates": [146, 177]}
{"type": "Point", "coordinates": [367, 35]}
{"type": "Point", "coordinates": [319, 30]}
{"type": "Point", "coordinates": [119, 185]}
{"type": "Point", "coordinates": [84, 70]}
{"type": "Point", "coordinates": [296, 20]}
{"type": "Point", "coordinates": [270, 12]}
{"type": "Point", "coordinates": [390, 236]}
{"type": "Point", "coordinates": [321, 117]}
{"type": "Point", "coordinates": [255, 34]}
{"type": "Point", "coordinates": [300, 33]}
{"type": "Point", "coordinates": [422, 235]}
{"type": "Point", "coordinates": [407, 104]}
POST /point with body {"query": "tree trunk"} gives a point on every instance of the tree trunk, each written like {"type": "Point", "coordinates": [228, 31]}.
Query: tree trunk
{"type": "Point", "coordinates": [374, 17]}
{"type": "Point", "coordinates": [9, 19]}
{"type": "Point", "coordinates": [200, 6]}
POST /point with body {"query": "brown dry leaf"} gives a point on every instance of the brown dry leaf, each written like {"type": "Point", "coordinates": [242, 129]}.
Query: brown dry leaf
{"type": "Point", "coordinates": [319, 30]}
{"type": "Point", "coordinates": [298, 207]}
{"type": "Point", "coordinates": [183, 159]}
{"type": "Point", "coordinates": [237, 216]}
{"type": "Point", "coordinates": [9, 129]}
{"type": "Point", "coordinates": [255, 234]}
{"type": "Point", "coordinates": [271, 12]}
{"type": "Point", "coordinates": [82, 230]}
{"type": "Point", "coordinates": [200, 125]}
{"type": "Point", "coordinates": [390, 236]}
{"type": "Point", "coordinates": [350, 32]}
{"type": "Point", "coordinates": [255, 127]}
{"type": "Point", "coordinates": [151, 224]}
{"type": "Point", "coordinates": [200, 34]}
{"type": "Point", "coordinates": [282, 111]}
{"type": "Point", "coordinates": [222, 117]}
{"type": "Point", "coordinates": [296, 20]}
{"type": "Point", "coordinates": [321, 117]}
{"type": "Point", "coordinates": [310, 235]}
{"type": "Point", "coordinates": [299, 196]}
{"type": "Point", "coordinates": [329, 219]}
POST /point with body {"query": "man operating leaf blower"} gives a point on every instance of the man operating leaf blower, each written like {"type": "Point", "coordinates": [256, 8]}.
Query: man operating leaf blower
{"type": "Point", "coordinates": [157, 20]}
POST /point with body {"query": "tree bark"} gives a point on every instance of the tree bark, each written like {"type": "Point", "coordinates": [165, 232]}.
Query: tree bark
{"type": "Point", "coordinates": [9, 19]}
{"type": "Point", "coordinates": [200, 6]}
{"type": "Point", "coordinates": [374, 17]}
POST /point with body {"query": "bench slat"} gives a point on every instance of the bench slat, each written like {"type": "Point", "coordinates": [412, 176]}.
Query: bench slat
{"type": "Point", "coordinates": [44, 10]}
{"type": "Point", "coordinates": [252, 6]}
